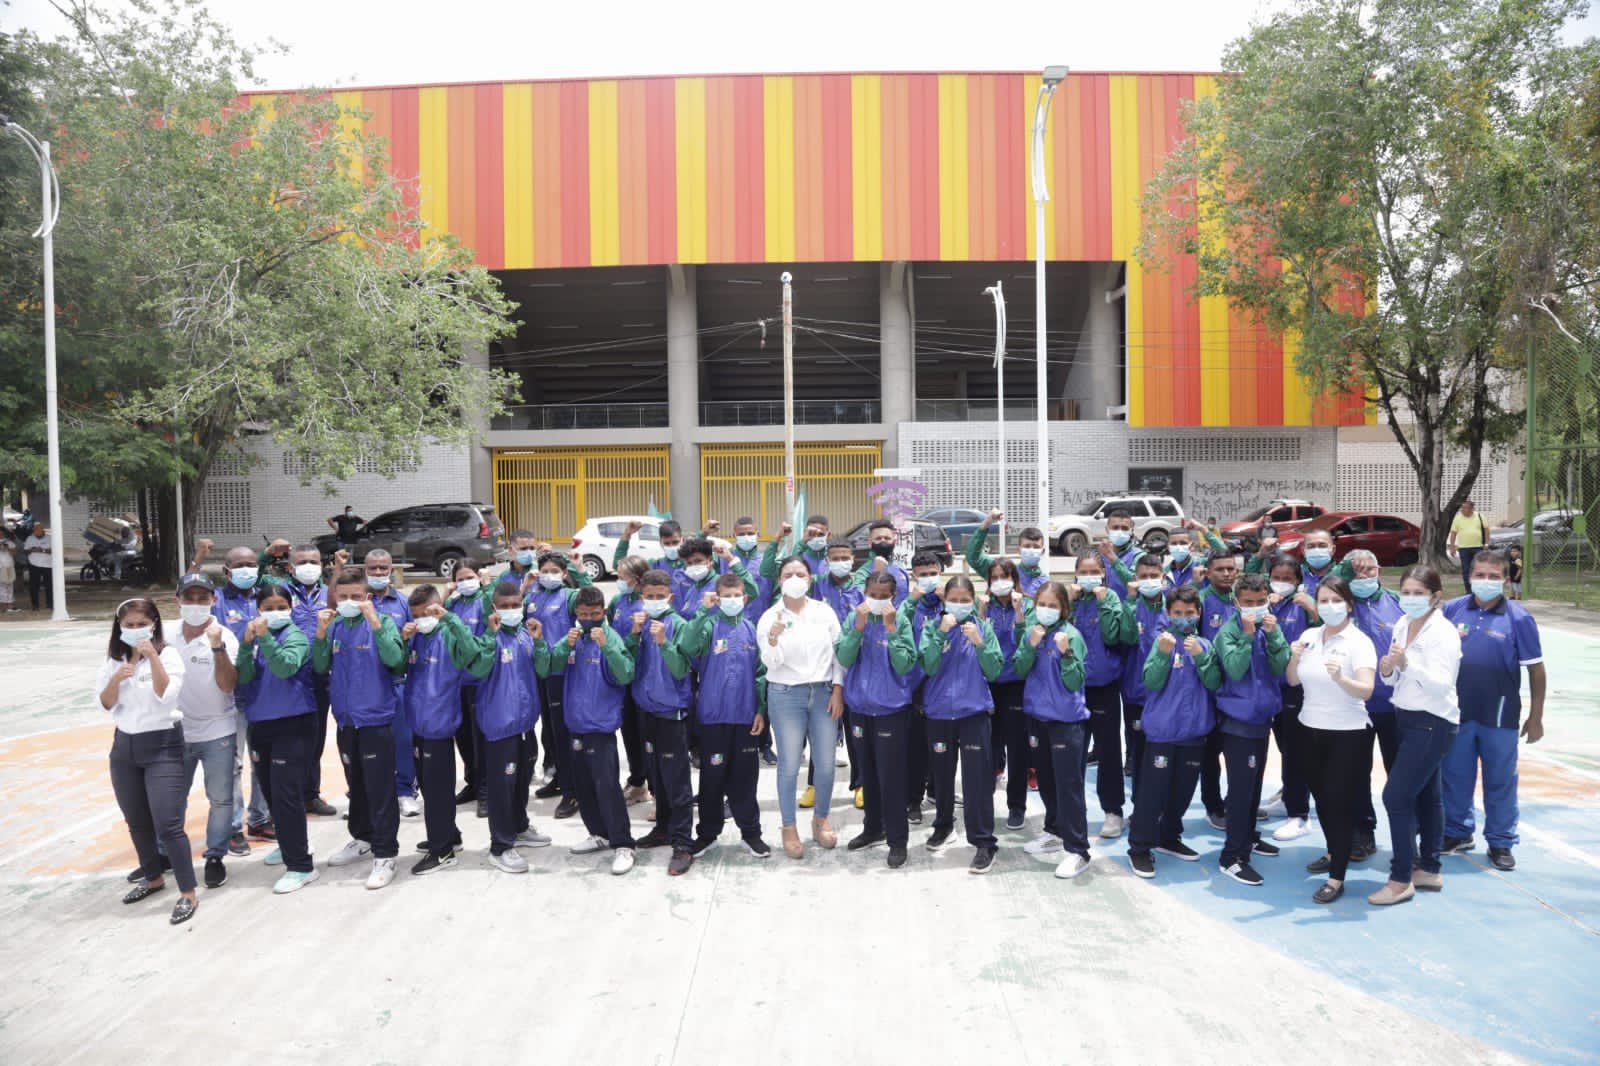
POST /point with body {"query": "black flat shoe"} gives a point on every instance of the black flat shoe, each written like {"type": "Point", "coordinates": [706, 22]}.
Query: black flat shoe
{"type": "Point", "coordinates": [137, 873]}
{"type": "Point", "coordinates": [1328, 892]}
{"type": "Point", "coordinates": [183, 910]}
{"type": "Point", "coordinates": [1320, 865]}
{"type": "Point", "coordinates": [144, 891]}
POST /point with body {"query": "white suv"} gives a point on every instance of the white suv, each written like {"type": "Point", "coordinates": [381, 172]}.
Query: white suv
{"type": "Point", "coordinates": [1072, 534]}
{"type": "Point", "coordinates": [595, 544]}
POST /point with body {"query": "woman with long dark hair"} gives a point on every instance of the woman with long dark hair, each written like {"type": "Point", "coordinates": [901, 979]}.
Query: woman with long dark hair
{"type": "Point", "coordinates": [139, 685]}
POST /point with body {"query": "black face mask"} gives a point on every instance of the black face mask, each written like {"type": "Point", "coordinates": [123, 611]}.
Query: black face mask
{"type": "Point", "coordinates": [587, 626]}
{"type": "Point", "coordinates": [883, 551]}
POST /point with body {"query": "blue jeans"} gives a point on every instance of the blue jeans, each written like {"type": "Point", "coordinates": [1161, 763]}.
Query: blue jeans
{"type": "Point", "coordinates": [1412, 795]}
{"type": "Point", "coordinates": [257, 809]}
{"type": "Point", "coordinates": [799, 712]}
{"type": "Point", "coordinates": [1497, 747]}
{"type": "Point", "coordinates": [216, 758]}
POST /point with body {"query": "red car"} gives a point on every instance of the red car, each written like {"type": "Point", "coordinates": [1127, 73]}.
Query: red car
{"type": "Point", "coordinates": [1394, 541]}
{"type": "Point", "coordinates": [1280, 516]}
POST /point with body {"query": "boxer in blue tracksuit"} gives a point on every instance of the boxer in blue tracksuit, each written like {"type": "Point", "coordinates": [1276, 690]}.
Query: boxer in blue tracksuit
{"type": "Point", "coordinates": [1050, 661]}
{"type": "Point", "coordinates": [961, 656]}
{"type": "Point", "coordinates": [470, 599]}
{"type": "Point", "coordinates": [839, 588]}
{"type": "Point", "coordinates": [1216, 608]}
{"type": "Point", "coordinates": [732, 708]}
{"type": "Point", "coordinates": [439, 650]}
{"type": "Point", "coordinates": [548, 594]}
{"type": "Point", "coordinates": [881, 541]}
{"type": "Point", "coordinates": [512, 657]}
{"type": "Point", "coordinates": [921, 607]}
{"type": "Point", "coordinates": [1142, 622]}
{"type": "Point", "coordinates": [1005, 609]}
{"type": "Point", "coordinates": [661, 687]}
{"type": "Point", "coordinates": [1498, 639]}
{"type": "Point", "coordinates": [813, 549]}
{"type": "Point", "coordinates": [619, 614]}
{"type": "Point", "coordinates": [879, 655]}
{"type": "Point", "coordinates": [1097, 616]}
{"type": "Point", "coordinates": [595, 667]}
{"type": "Point", "coordinates": [274, 689]}
{"type": "Point", "coordinates": [1376, 614]}
{"type": "Point", "coordinates": [1253, 655]}
{"type": "Point", "coordinates": [1031, 576]}
{"type": "Point", "coordinates": [1118, 552]}
{"type": "Point", "coordinates": [701, 564]}
{"type": "Point", "coordinates": [379, 567]}
{"type": "Point", "coordinates": [747, 550]}
{"type": "Point", "coordinates": [1181, 673]}
{"type": "Point", "coordinates": [360, 652]}
{"type": "Point", "coordinates": [308, 596]}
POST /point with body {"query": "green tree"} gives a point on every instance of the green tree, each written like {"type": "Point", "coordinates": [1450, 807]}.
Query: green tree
{"type": "Point", "coordinates": [1380, 178]}
{"type": "Point", "coordinates": [230, 267]}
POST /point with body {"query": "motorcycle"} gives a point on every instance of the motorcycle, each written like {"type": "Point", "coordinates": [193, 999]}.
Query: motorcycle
{"type": "Point", "coordinates": [111, 546]}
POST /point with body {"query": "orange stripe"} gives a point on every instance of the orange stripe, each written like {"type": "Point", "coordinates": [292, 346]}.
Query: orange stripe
{"type": "Point", "coordinates": [809, 217]}
{"type": "Point", "coordinates": [633, 173]}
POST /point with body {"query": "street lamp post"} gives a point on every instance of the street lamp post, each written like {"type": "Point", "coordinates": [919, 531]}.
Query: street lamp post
{"type": "Point", "coordinates": [50, 194]}
{"type": "Point", "coordinates": [1053, 76]}
{"type": "Point", "coordinates": [997, 291]}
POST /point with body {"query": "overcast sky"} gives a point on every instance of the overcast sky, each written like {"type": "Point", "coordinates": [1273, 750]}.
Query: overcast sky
{"type": "Point", "coordinates": [361, 42]}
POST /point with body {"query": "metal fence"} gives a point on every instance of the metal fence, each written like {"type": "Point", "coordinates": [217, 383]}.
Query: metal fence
{"type": "Point", "coordinates": [1560, 527]}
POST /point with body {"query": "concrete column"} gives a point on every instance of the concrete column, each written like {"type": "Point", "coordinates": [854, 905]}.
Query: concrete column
{"type": "Point", "coordinates": [897, 380]}
{"type": "Point", "coordinates": [480, 461]}
{"type": "Point", "coordinates": [1095, 380]}
{"type": "Point", "coordinates": [683, 393]}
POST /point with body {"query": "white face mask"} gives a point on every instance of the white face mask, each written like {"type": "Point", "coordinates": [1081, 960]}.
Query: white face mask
{"type": "Point", "coordinates": [796, 587]}
{"type": "Point", "coordinates": [1284, 588]}
{"type": "Point", "coordinates": [839, 567]}
{"type": "Point", "coordinates": [194, 614]}
{"type": "Point", "coordinates": [879, 606]}
{"type": "Point", "coordinates": [467, 587]}
{"type": "Point", "coordinates": [697, 571]}
{"type": "Point", "coordinates": [308, 573]}
{"type": "Point", "coordinates": [427, 624]}
{"type": "Point", "coordinates": [1002, 588]}
{"type": "Point", "coordinates": [277, 619]}
{"type": "Point", "coordinates": [552, 582]}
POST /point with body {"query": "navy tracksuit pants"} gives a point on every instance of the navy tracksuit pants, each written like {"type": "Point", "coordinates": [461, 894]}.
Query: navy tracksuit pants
{"type": "Point", "coordinates": [507, 771]}
{"type": "Point", "coordinates": [1245, 758]}
{"type": "Point", "coordinates": [1105, 727]}
{"type": "Point", "coordinates": [881, 742]}
{"type": "Point", "coordinates": [368, 755]}
{"type": "Point", "coordinates": [969, 739]}
{"type": "Point", "coordinates": [666, 747]}
{"type": "Point", "coordinates": [1166, 785]}
{"type": "Point", "coordinates": [1010, 738]}
{"type": "Point", "coordinates": [730, 763]}
{"type": "Point", "coordinates": [281, 756]}
{"type": "Point", "coordinates": [594, 778]}
{"type": "Point", "coordinates": [436, 775]}
{"type": "Point", "coordinates": [1060, 753]}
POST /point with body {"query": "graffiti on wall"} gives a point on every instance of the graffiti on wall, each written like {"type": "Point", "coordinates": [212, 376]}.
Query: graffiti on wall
{"type": "Point", "coordinates": [900, 499]}
{"type": "Point", "coordinates": [1229, 500]}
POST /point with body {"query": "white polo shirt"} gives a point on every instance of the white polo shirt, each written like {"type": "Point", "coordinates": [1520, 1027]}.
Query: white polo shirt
{"type": "Point", "coordinates": [208, 711]}
{"type": "Point", "coordinates": [1328, 706]}
{"type": "Point", "coordinates": [804, 652]}
{"type": "Point", "coordinates": [138, 709]}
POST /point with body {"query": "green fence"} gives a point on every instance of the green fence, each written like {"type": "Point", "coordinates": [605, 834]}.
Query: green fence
{"type": "Point", "coordinates": [1561, 521]}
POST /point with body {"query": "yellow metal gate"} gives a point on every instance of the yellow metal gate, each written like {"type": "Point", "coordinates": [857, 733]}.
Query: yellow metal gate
{"type": "Point", "coordinates": [747, 479]}
{"type": "Point", "coordinates": [553, 491]}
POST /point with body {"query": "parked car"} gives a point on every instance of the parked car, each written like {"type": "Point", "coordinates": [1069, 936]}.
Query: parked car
{"type": "Point", "coordinates": [1279, 516]}
{"type": "Point", "coordinates": [958, 523]}
{"type": "Point", "coordinates": [595, 545]}
{"type": "Point", "coordinates": [1394, 541]}
{"type": "Point", "coordinates": [1553, 537]}
{"type": "Point", "coordinates": [430, 536]}
{"type": "Point", "coordinates": [926, 537]}
{"type": "Point", "coordinates": [1072, 534]}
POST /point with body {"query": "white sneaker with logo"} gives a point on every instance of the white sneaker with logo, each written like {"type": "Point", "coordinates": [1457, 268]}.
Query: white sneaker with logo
{"type": "Point", "coordinates": [382, 873]}
{"type": "Point", "coordinates": [591, 845]}
{"type": "Point", "coordinates": [410, 807]}
{"type": "Point", "coordinates": [1293, 829]}
{"type": "Point", "coordinates": [1072, 866]}
{"type": "Point", "coordinates": [354, 851]}
{"type": "Point", "coordinates": [1043, 844]}
{"type": "Point", "coordinates": [622, 861]}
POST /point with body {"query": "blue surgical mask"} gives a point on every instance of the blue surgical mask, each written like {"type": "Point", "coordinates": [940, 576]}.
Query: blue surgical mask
{"type": "Point", "coordinates": [1179, 553]}
{"type": "Point", "coordinates": [510, 616]}
{"type": "Point", "coordinates": [1150, 587]}
{"type": "Point", "coordinates": [348, 608]}
{"type": "Point", "coordinates": [670, 551]}
{"type": "Point", "coordinates": [747, 542]}
{"type": "Point", "coordinates": [959, 611]}
{"type": "Point", "coordinates": [526, 558]}
{"type": "Point", "coordinates": [551, 581]}
{"type": "Point", "coordinates": [1255, 614]}
{"type": "Point", "coordinates": [1183, 625]}
{"type": "Point", "coordinates": [377, 583]}
{"type": "Point", "coordinates": [927, 583]}
{"type": "Point", "coordinates": [732, 606]}
{"type": "Point", "coordinates": [1090, 582]}
{"type": "Point", "coordinates": [1485, 590]}
{"type": "Point", "coordinates": [1030, 556]}
{"type": "Point", "coordinates": [1119, 537]}
{"type": "Point", "coordinates": [468, 586]}
{"type": "Point", "coordinates": [1415, 605]}
{"type": "Point", "coordinates": [624, 586]}
{"type": "Point", "coordinates": [1364, 587]}
{"type": "Point", "coordinates": [839, 567]}
{"type": "Point", "coordinates": [818, 544]}
{"type": "Point", "coordinates": [1333, 612]}
{"type": "Point", "coordinates": [244, 578]}
{"type": "Point", "coordinates": [277, 619]}
{"type": "Point", "coordinates": [1047, 616]}
{"type": "Point", "coordinates": [132, 637]}
{"type": "Point", "coordinates": [656, 608]}
{"type": "Point", "coordinates": [1317, 558]}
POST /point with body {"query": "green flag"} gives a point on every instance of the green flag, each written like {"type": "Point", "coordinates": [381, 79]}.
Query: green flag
{"type": "Point", "coordinates": [655, 513]}
{"type": "Point", "coordinates": [797, 524]}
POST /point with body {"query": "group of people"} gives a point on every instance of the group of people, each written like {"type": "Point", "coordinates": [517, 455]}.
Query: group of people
{"type": "Point", "coordinates": [1187, 657]}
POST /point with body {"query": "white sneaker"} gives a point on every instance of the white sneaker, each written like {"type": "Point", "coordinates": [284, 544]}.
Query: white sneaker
{"type": "Point", "coordinates": [1293, 829]}
{"type": "Point", "coordinates": [294, 881]}
{"type": "Point", "coordinates": [532, 838]}
{"type": "Point", "coordinates": [274, 857]}
{"type": "Point", "coordinates": [622, 861]}
{"type": "Point", "coordinates": [509, 861]}
{"type": "Point", "coordinates": [1043, 844]}
{"type": "Point", "coordinates": [382, 873]}
{"type": "Point", "coordinates": [410, 807]}
{"type": "Point", "coordinates": [1071, 866]}
{"type": "Point", "coordinates": [1273, 808]}
{"type": "Point", "coordinates": [354, 851]}
{"type": "Point", "coordinates": [592, 845]}
{"type": "Point", "coordinates": [1112, 827]}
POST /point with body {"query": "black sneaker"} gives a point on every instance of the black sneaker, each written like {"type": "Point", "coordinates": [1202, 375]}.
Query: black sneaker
{"type": "Point", "coordinates": [321, 807]}
{"type": "Point", "coordinates": [1457, 846]}
{"type": "Point", "coordinates": [545, 791]}
{"type": "Point", "coordinates": [466, 796]}
{"type": "Point", "coordinates": [136, 875]}
{"type": "Point", "coordinates": [914, 813]}
{"type": "Point", "coordinates": [1502, 859]}
{"type": "Point", "coordinates": [1243, 873]}
{"type": "Point", "coordinates": [656, 838]}
{"type": "Point", "coordinates": [567, 807]}
{"type": "Point", "coordinates": [897, 858]}
{"type": "Point", "coordinates": [431, 863]}
{"type": "Point", "coordinates": [768, 757]}
{"type": "Point", "coordinates": [1016, 821]}
{"type": "Point", "coordinates": [1266, 848]}
{"type": "Point", "coordinates": [865, 841]}
{"type": "Point", "coordinates": [1143, 863]}
{"type": "Point", "coordinates": [264, 831]}
{"type": "Point", "coordinates": [1093, 758]}
{"type": "Point", "coordinates": [940, 838]}
{"type": "Point", "coordinates": [216, 873]}
{"type": "Point", "coordinates": [682, 859]}
{"type": "Point", "coordinates": [702, 845]}
{"type": "Point", "coordinates": [1320, 865]}
{"type": "Point", "coordinates": [757, 847]}
{"type": "Point", "coordinates": [238, 845]}
{"type": "Point", "coordinates": [483, 808]}
{"type": "Point", "coordinates": [1178, 850]}
{"type": "Point", "coordinates": [982, 859]}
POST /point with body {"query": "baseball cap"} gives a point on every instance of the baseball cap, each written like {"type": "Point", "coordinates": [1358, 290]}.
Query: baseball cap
{"type": "Point", "coordinates": [189, 581]}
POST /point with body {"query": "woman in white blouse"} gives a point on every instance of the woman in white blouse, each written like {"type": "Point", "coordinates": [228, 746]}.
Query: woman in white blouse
{"type": "Point", "coordinates": [139, 685]}
{"type": "Point", "coordinates": [1421, 665]}
{"type": "Point", "coordinates": [805, 696]}
{"type": "Point", "coordinates": [1336, 665]}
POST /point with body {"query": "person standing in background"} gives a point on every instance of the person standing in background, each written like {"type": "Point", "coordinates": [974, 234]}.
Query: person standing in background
{"type": "Point", "coordinates": [37, 550]}
{"type": "Point", "coordinates": [346, 526]}
{"type": "Point", "coordinates": [1468, 534]}
{"type": "Point", "coordinates": [8, 575]}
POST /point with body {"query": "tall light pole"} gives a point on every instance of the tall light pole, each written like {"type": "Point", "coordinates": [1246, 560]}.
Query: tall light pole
{"type": "Point", "coordinates": [1053, 76]}
{"type": "Point", "coordinates": [50, 195]}
{"type": "Point", "coordinates": [997, 291]}
{"type": "Point", "coordinates": [788, 391]}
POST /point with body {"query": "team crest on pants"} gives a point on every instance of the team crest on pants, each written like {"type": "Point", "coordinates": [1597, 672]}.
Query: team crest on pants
{"type": "Point", "coordinates": [940, 747]}
{"type": "Point", "coordinates": [1033, 742]}
{"type": "Point", "coordinates": [345, 757]}
{"type": "Point", "coordinates": [511, 769]}
{"type": "Point", "coordinates": [1251, 762]}
{"type": "Point", "coordinates": [716, 758]}
{"type": "Point", "coordinates": [577, 745]}
{"type": "Point", "coordinates": [649, 748]}
{"type": "Point", "coordinates": [1159, 762]}
{"type": "Point", "coordinates": [857, 732]}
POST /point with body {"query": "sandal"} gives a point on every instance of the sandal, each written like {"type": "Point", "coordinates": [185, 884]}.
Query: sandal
{"type": "Point", "coordinates": [1330, 891]}
{"type": "Point", "coordinates": [183, 910]}
{"type": "Point", "coordinates": [144, 891]}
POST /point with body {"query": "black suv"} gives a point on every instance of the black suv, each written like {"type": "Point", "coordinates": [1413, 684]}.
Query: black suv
{"type": "Point", "coordinates": [430, 536]}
